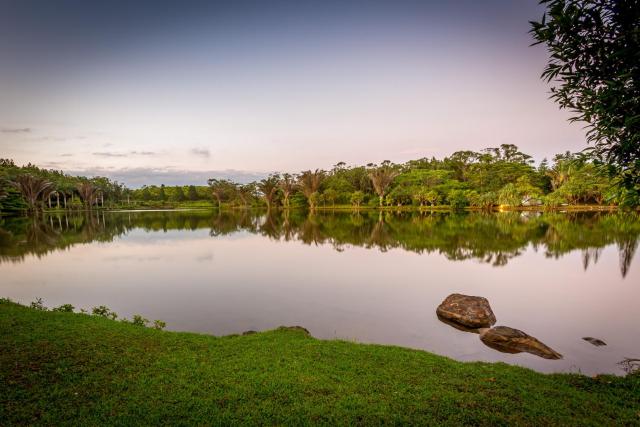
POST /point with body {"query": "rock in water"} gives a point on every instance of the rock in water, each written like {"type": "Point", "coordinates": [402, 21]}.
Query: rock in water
{"type": "Point", "coordinates": [594, 341]}
{"type": "Point", "coordinates": [469, 311]}
{"type": "Point", "coordinates": [510, 340]}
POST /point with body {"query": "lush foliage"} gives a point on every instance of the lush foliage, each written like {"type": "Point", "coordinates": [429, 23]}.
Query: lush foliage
{"type": "Point", "coordinates": [594, 67]}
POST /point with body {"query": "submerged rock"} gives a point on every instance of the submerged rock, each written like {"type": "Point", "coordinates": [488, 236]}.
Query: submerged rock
{"type": "Point", "coordinates": [468, 311]}
{"type": "Point", "coordinates": [594, 341]}
{"type": "Point", "coordinates": [510, 340]}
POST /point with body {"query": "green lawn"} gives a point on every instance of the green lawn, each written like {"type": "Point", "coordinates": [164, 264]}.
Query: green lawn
{"type": "Point", "coordinates": [65, 368]}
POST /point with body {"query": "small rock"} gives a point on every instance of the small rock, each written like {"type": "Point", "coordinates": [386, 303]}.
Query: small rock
{"type": "Point", "coordinates": [469, 311]}
{"type": "Point", "coordinates": [510, 340]}
{"type": "Point", "coordinates": [594, 341]}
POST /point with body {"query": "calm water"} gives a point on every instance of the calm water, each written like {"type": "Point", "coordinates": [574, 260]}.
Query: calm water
{"type": "Point", "coordinates": [362, 277]}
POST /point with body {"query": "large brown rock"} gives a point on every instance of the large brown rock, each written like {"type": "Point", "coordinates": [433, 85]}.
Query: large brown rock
{"type": "Point", "coordinates": [510, 340]}
{"type": "Point", "coordinates": [468, 311]}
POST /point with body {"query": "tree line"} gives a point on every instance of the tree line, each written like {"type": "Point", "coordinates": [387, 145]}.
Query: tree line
{"type": "Point", "coordinates": [501, 176]}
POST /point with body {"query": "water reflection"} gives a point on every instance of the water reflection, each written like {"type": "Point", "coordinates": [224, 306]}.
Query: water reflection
{"type": "Point", "coordinates": [494, 238]}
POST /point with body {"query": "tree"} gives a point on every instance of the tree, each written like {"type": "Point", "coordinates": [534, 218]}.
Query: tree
{"type": "Point", "coordinates": [381, 178]}
{"type": "Point", "coordinates": [563, 166]}
{"type": "Point", "coordinates": [309, 183]}
{"type": "Point", "coordinates": [432, 197]}
{"type": "Point", "coordinates": [330, 196]}
{"type": "Point", "coordinates": [526, 190]}
{"type": "Point", "coordinates": [179, 194]}
{"type": "Point", "coordinates": [162, 195]}
{"type": "Point", "coordinates": [221, 188]}
{"type": "Point", "coordinates": [246, 193]}
{"type": "Point", "coordinates": [357, 197]}
{"type": "Point", "coordinates": [594, 69]}
{"type": "Point", "coordinates": [420, 196]}
{"type": "Point", "coordinates": [87, 192]}
{"type": "Point", "coordinates": [509, 195]}
{"type": "Point", "coordinates": [314, 199]}
{"type": "Point", "coordinates": [146, 194]}
{"type": "Point", "coordinates": [268, 187]}
{"type": "Point", "coordinates": [33, 189]}
{"type": "Point", "coordinates": [287, 185]}
{"type": "Point", "coordinates": [483, 200]}
{"type": "Point", "coordinates": [458, 199]}
{"type": "Point", "coordinates": [192, 193]}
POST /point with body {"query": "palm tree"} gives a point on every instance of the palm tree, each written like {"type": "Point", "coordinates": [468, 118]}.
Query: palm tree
{"type": "Point", "coordinates": [32, 189]}
{"type": "Point", "coordinates": [288, 185]}
{"type": "Point", "coordinates": [246, 193]}
{"type": "Point", "coordinates": [268, 188]}
{"type": "Point", "coordinates": [87, 192]}
{"type": "Point", "coordinates": [562, 170]}
{"type": "Point", "coordinates": [220, 188]}
{"type": "Point", "coordinates": [381, 178]}
{"type": "Point", "coordinates": [310, 183]}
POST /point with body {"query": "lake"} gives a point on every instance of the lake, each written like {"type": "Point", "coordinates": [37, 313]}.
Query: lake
{"type": "Point", "coordinates": [368, 277]}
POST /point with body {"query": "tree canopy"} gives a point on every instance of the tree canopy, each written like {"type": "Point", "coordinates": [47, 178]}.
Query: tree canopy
{"type": "Point", "coordinates": [594, 70]}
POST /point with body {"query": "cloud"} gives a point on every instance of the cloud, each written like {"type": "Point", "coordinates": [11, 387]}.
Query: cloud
{"type": "Point", "coordinates": [130, 153]}
{"type": "Point", "coordinates": [108, 154]}
{"type": "Point", "coordinates": [15, 130]}
{"type": "Point", "coordinates": [137, 177]}
{"type": "Point", "coordinates": [202, 152]}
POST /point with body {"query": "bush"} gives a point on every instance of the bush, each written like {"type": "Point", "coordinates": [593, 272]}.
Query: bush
{"type": "Point", "coordinates": [64, 308]}
{"type": "Point", "coordinates": [484, 200]}
{"type": "Point", "coordinates": [38, 305]}
{"type": "Point", "coordinates": [458, 199]}
{"type": "Point", "coordinates": [159, 325]}
{"type": "Point", "coordinates": [103, 311]}
{"type": "Point", "coordinates": [509, 195]}
{"type": "Point", "coordinates": [554, 199]}
{"type": "Point", "coordinates": [139, 320]}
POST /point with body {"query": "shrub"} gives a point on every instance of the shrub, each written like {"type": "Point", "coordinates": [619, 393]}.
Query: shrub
{"type": "Point", "coordinates": [38, 305]}
{"type": "Point", "coordinates": [103, 311]}
{"type": "Point", "coordinates": [64, 308]}
{"type": "Point", "coordinates": [458, 199]}
{"type": "Point", "coordinates": [139, 320]}
{"type": "Point", "coordinates": [159, 325]}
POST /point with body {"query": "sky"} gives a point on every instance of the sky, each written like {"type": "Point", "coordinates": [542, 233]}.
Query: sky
{"type": "Point", "coordinates": [176, 92]}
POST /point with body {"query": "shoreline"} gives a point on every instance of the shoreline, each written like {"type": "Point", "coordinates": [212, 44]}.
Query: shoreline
{"type": "Point", "coordinates": [346, 208]}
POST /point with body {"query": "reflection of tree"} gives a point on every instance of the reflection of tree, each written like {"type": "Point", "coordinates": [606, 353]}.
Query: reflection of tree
{"type": "Point", "coordinates": [627, 250]}
{"type": "Point", "coordinates": [381, 236]}
{"type": "Point", "coordinates": [486, 237]}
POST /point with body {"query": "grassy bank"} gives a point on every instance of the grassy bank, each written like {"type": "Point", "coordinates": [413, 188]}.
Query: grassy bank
{"type": "Point", "coordinates": [65, 368]}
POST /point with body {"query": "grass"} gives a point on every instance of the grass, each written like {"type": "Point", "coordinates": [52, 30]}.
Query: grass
{"type": "Point", "coordinates": [73, 369]}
